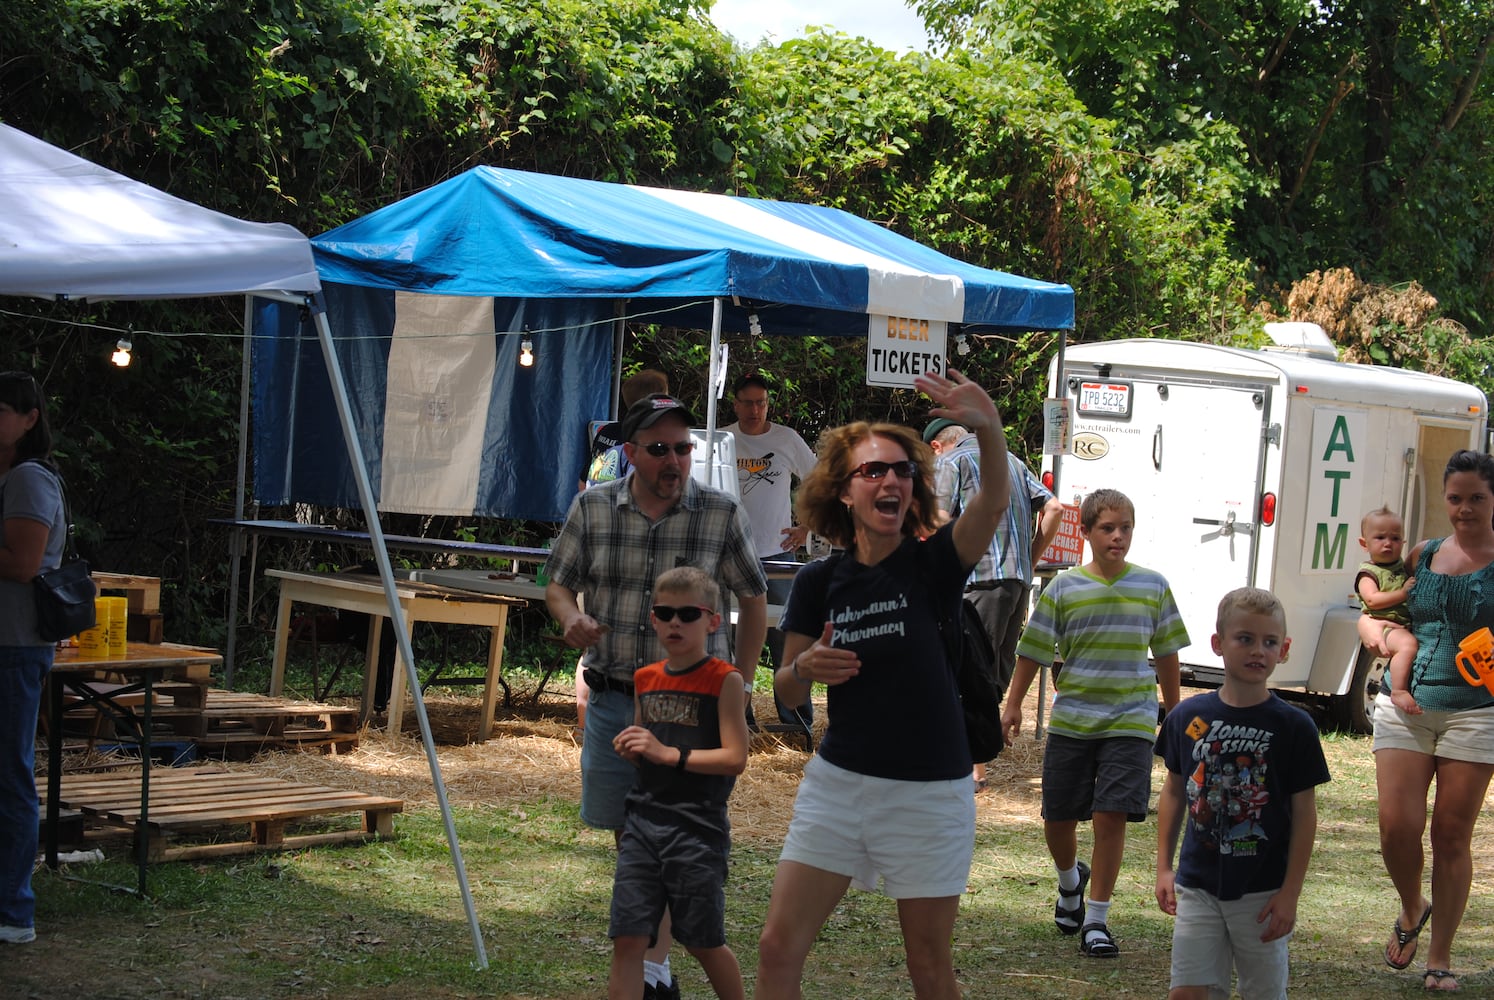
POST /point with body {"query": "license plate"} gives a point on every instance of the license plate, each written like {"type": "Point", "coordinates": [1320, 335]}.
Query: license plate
{"type": "Point", "coordinates": [1111, 399]}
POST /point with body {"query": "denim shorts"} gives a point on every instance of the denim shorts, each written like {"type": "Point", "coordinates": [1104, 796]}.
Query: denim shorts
{"type": "Point", "coordinates": [606, 778]}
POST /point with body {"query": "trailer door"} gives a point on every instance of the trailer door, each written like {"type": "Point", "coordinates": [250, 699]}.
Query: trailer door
{"type": "Point", "coordinates": [1189, 454]}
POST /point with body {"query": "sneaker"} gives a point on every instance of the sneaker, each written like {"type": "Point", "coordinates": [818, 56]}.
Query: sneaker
{"type": "Point", "coordinates": [1069, 918]}
{"type": "Point", "coordinates": [16, 935]}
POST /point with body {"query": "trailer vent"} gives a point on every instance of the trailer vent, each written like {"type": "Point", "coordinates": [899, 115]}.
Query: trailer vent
{"type": "Point", "coordinates": [1301, 338]}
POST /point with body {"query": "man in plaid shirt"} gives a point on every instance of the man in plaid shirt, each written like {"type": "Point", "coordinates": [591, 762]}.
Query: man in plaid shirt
{"type": "Point", "coordinates": [617, 538]}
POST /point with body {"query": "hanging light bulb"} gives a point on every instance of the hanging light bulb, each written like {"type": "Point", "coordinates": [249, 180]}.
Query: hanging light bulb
{"type": "Point", "coordinates": [962, 344]}
{"type": "Point", "coordinates": [121, 355]}
{"type": "Point", "coordinates": [754, 326]}
{"type": "Point", "coordinates": [526, 353]}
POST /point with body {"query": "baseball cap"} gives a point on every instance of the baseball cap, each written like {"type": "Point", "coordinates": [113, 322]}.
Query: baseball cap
{"type": "Point", "coordinates": [648, 411]}
{"type": "Point", "coordinates": [935, 426]}
{"type": "Point", "coordinates": [750, 378]}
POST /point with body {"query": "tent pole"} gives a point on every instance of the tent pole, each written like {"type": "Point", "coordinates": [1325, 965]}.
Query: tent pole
{"type": "Point", "coordinates": [1063, 393]}
{"type": "Point", "coordinates": [1063, 336]}
{"type": "Point", "coordinates": [619, 329]}
{"type": "Point", "coordinates": [396, 612]}
{"type": "Point", "coordinates": [236, 536]}
{"type": "Point", "coordinates": [716, 312]}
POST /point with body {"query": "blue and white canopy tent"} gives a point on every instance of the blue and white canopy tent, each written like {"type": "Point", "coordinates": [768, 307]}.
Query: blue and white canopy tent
{"type": "Point", "coordinates": [431, 299]}
{"type": "Point", "coordinates": [74, 230]}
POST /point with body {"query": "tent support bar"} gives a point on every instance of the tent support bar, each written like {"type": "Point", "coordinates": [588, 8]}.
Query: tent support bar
{"type": "Point", "coordinates": [619, 330]}
{"type": "Point", "coordinates": [396, 613]}
{"type": "Point", "coordinates": [236, 536]}
{"type": "Point", "coordinates": [717, 309]}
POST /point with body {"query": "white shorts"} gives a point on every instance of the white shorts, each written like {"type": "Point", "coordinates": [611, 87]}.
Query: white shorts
{"type": "Point", "coordinates": [1210, 936]}
{"type": "Point", "coordinates": [915, 838]}
{"type": "Point", "coordinates": [1467, 735]}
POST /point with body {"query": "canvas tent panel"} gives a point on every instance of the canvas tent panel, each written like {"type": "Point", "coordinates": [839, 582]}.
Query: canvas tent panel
{"type": "Point", "coordinates": [439, 391]}
{"type": "Point", "coordinates": [524, 451]}
{"type": "Point", "coordinates": [74, 229]}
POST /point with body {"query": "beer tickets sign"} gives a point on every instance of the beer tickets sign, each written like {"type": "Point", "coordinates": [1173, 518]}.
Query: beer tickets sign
{"type": "Point", "coordinates": [899, 348]}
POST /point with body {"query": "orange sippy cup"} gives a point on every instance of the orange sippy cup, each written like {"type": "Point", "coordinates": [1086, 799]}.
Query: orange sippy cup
{"type": "Point", "coordinates": [1475, 659]}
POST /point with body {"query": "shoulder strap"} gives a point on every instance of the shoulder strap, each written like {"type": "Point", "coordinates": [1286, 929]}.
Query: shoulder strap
{"type": "Point", "coordinates": [69, 543]}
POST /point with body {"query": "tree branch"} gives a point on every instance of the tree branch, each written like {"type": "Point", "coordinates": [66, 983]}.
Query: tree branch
{"type": "Point", "coordinates": [1342, 88]}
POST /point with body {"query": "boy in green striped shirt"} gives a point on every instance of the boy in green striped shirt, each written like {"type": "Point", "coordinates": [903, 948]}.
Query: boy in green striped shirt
{"type": "Point", "coordinates": [1101, 618]}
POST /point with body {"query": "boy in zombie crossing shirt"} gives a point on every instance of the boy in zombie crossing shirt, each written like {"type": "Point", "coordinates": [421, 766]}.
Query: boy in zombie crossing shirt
{"type": "Point", "coordinates": [1242, 769]}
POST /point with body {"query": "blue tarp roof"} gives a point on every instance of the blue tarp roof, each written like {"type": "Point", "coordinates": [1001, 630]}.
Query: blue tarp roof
{"type": "Point", "coordinates": [515, 234]}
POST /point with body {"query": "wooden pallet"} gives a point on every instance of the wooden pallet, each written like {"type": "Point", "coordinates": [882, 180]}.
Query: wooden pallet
{"type": "Point", "coordinates": [185, 800]}
{"type": "Point", "coordinates": [238, 725]}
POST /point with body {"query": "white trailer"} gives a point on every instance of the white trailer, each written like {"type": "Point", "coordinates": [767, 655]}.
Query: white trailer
{"type": "Point", "coordinates": [1254, 467]}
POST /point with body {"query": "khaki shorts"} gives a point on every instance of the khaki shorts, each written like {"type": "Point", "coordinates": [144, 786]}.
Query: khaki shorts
{"type": "Point", "coordinates": [1210, 937]}
{"type": "Point", "coordinates": [1467, 735]}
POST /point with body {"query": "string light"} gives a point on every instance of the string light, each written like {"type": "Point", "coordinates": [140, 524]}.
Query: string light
{"type": "Point", "coordinates": [526, 353]}
{"type": "Point", "coordinates": [121, 355]}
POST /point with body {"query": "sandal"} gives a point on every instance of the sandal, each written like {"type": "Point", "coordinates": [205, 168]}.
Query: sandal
{"type": "Point", "coordinates": [1069, 918]}
{"type": "Point", "coordinates": [1102, 945]}
{"type": "Point", "coordinates": [1402, 938]}
{"type": "Point", "coordinates": [1433, 980]}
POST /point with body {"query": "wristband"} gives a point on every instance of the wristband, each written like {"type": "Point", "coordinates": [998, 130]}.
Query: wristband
{"type": "Point", "coordinates": [794, 669]}
{"type": "Point", "coordinates": [679, 765]}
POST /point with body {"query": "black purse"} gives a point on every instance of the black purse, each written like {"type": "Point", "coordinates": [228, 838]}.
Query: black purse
{"type": "Point", "coordinates": [64, 596]}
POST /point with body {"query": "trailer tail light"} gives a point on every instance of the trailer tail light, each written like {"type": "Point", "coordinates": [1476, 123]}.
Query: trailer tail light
{"type": "Point", "coordinates": [1048, 480]}
{"type": "Point", "coordinates": [1268, 509]}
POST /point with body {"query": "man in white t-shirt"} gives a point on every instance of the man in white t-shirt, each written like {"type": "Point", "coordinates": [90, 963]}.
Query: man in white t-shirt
{"type": "Point", "coordinates": [769, 457]}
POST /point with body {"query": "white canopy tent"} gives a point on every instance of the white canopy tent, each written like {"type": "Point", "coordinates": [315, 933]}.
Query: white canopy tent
{"type": "Point", "coordinates": [74, 230]}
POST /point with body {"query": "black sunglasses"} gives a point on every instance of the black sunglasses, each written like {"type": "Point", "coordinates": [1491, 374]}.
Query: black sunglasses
{"type": "Point", "coordinates": [688, 613]}
{"type": "Point", "coordinates": [907, 469]}
{"type": "Point", "coordinates": [659, 449]}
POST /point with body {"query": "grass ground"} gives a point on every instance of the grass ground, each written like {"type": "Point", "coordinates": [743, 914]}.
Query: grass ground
{"type": "Point", "coordinates": [386, 919]}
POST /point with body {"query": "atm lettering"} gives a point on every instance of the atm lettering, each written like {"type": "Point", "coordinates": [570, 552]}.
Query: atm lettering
{"type": "Point", "coordinates": [1328, 553]}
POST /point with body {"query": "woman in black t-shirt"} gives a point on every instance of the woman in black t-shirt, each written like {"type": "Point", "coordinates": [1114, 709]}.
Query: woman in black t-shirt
{"type": "Point", "coordinates": [877, 806]}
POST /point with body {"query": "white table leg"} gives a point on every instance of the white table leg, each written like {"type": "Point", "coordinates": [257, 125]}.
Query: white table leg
{"type": "Point", "coordinates": [398, 685]}
{"type": "Point", "coordinates": [495, 671]}
{"type": "Point", "coordinates": [370, 667]}
{"type": "Point", "coordinates": [282, 638]}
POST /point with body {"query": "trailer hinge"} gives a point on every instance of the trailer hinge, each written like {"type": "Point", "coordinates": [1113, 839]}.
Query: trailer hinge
{"type": "Point", "coordinates": [1272, 434]}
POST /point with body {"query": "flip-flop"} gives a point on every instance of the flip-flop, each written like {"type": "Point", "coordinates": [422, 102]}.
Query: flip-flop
{"type": "Point", "coordinates": [1433, 979]}
{"type": "Point", "coordinates": [1402, 938]}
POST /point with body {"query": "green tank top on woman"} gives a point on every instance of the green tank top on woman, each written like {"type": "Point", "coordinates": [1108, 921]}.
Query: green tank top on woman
{"type": "Point", "coordinates": [1445, 609]}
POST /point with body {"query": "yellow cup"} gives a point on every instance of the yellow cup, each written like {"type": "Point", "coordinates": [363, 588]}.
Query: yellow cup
{"type": "Point", "coordinates": [94, 642]}
{"type": "Point", "coordinates": [119, 610]}
{"type": "Point", "coordinates": [1475, 659]}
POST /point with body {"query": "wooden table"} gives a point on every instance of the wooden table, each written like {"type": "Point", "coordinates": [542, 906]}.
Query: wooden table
{"type": "Point", "coordinates": [421, 602]}
{"type": "Point", "coordinates": [141, 666]}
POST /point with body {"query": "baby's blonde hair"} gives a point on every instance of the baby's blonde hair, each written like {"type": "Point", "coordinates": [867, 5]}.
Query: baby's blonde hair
{"type": "Point", "coordinates": [1379, 512]}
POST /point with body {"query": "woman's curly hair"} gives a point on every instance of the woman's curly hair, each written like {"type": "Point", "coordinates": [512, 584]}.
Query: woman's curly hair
{"type": "Point", "coordinates": [819, 504]}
